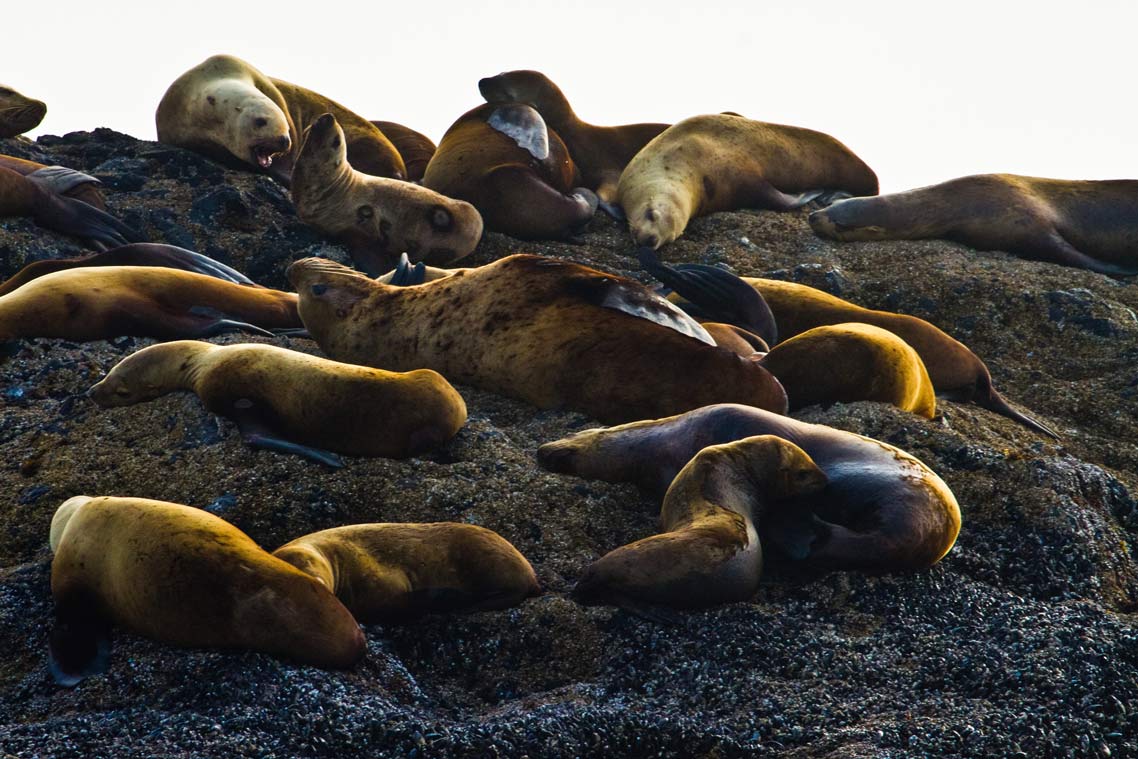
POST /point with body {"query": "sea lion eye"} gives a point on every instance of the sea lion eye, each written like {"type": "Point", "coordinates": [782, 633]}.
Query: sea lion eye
{"type": "Point", "coordinates": [440, 218]}
{"type": "Point", "coordinates": [319, 289]}
{"type": "Point", "coordinates": [211, 99]}
{"type": "Point", "coordinates": [260, 122]}
{"type": "Point", "coordinates": [364, 214]}
{"type": "Point", "coordinates": [336, 141]}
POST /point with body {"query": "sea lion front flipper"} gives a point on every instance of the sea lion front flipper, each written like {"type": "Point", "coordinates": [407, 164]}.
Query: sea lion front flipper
{"type": "Point", "coordinates": [640, 302]}
{"type": "Point", "coordinates": [75, 217]}
{"type": "Point", "coordinates": [211, 323]}
{"type": "Point", "coordinates": [649, 612]}
{"type": "Point", "coordinates": [60, 179]}
{"type": "Point", "coordinates": [254, 434]}
{"type": "Point", "coordinates": [181, 258]}
{"type": "Point", "coordinates": [524, 125]}
{"type": "Point", "coordinates": [759, 193]}
{"type": "Point", "coordinates": [720, 295]}
{"type": "Point", "coordinates": [612, 209]}
{"type": "Point", "coordinates": [791, 531]}
{"type": "Point", "coordinates": [79, 645]}
{"type": "Point", "coordinates": [293, 332]}
{"type": "Point", "coordinates": [532, 209]}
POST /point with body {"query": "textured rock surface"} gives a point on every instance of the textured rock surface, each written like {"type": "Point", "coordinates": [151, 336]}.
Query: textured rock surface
{"type": "Point", "coordinates": [1022, 642]}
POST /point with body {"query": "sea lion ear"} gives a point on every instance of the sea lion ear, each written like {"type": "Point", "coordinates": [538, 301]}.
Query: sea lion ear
{"type": "Point", "coordinates": [523, 125]}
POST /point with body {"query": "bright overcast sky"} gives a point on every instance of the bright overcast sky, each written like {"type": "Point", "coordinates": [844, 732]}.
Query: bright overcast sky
{"type": "Point", "coordinates": [922, 92]}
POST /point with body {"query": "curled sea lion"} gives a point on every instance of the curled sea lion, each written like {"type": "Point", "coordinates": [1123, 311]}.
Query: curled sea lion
{"type": "Point", "coordinates": [843, 363]}
{"type": "Point", "coordinates": [376, 218]}
{"type": "Point", "coordinates": [229, 111]}
{"type": "Point", "coordinates": [135, 254]}
{"type": "Point", "coordinates": [185, 577]}
{"type": "Point", "coordinates": [516, 172]}
{"type": "Point", "coordinates": [19, 113]}
{"type": "Point", "coordinates": [1091, 225]}
{"type": "Point", "coordinates": [721, 162]}
{"type": "Point", "coordinates": [60, 199]}
{"type": "Point", "coordinates": [545, 331]}
{"type": "Point", "coordinates": [393, 572]}
{"type": "Point", "coordinates": [143, 301]}
{"type": "Point", "coordinates": [293, 402]}
{"type": "Point", "coordinates": [881, 509]}
{"type": "Point", "coordinates": [414, 148]}
{"type": "Point", "coordinates": [600, 153]}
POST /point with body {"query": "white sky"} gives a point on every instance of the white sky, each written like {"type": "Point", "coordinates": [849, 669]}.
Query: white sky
{"type": "Point", "coordinates": [921, 92]}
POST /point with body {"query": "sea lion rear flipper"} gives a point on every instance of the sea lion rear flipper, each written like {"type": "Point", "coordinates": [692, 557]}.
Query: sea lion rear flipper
{"type": "Point", "coordinates": [719, 294]}
{"type": "Point", "coordinates": [181, 258]}
{"type": "Point", "coordinates": [1055, 247]}
{"type": "Point", "coordinates": [79, 644]}
{"type": "Point", "coordinates": [608, 292]}
{"type": "Point", "coordinates": [524, 125]}
{"type": "Point", "coordinates": [406, 275]}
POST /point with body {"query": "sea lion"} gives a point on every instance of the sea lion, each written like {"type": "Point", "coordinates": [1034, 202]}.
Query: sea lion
{"type": "Point", "coordinates": [720, 162]}
{"type": "Point", "coordinates": [881, 509]}
{"type": "Point", "coordinates": [293, 402]}
{"type": "Point", "coordinates": [135, 254]}
{"type": "Point", "coordinates": [545, 331]}
{"type": "Point", "coordinates": [735, 339]}
{"type": "Point", "coordinates": [414, 148]}
{"type": "Point", "coordinates": [143, 301]}
{"type": "Point", "coordinates": [185, 577]}
{"type": "Point", "coordinates": [843, 363]}
{"type": "Point", "coordinates": [600, 153]}
{"type": "Point", "coordinates": [19, 113]}
{"type": "Point", "coordinates": [60, 199]}
{"type": "Point", "coordinates": [229, 111]}
{"type": "Point", "coordinates": [1089, 224]}
{"type": "Point", "coordinates": [376, 218]}
{"type": "Point", "coordinates": [516, 172]}
{"type": "Point", "coordinates": [387, 573]}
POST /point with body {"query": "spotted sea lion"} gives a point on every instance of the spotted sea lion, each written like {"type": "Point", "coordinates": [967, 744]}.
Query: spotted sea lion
{"type": "Point", "coordinates": [376, 218]}
{"type": "Point", "coordinates": [19, 113]}
{"type": "Point", "coordinates": [144, 301]}
{"type": "Point", "coordinates": [881, 509]}
{"type": "Point", "coordinates": [1089, 224]}
{"type": "Point", "coordinates": [229, 111]}
{"type": "Point", "coordinates": [600, 153]}
{"type": "Point", "coordinates": [135, 254]}
{"type": "Point", "coordinates": [518, 174]}
{"type": "Point", "coordinates": [545, 331]}
{"type": "Point", "coordinates": [721, 162]}
{"type": "Point", "coordinates": [393, 572]}
{"type": "Point", "coordinates": [843, 363]}
{"type": "Point", "coordinates": [185, 577]}
{"type": "Point", "coordinates": [293, 402]}
{"type": "Point", "coordinates": [60, 199]}
{"type": "Point", "coordinates": [414, 148]}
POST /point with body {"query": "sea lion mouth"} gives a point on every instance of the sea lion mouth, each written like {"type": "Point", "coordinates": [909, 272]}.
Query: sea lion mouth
{"type": "Point", "coordinates": [264, 152]}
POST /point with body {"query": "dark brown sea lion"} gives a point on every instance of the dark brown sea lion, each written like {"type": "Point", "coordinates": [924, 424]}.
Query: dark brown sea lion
{"type": "Point", "coordinates": [135, 254]}
{"type": "Point", "coordinates": [600, 153]}
{"type": "Point", "coordinates": [229, 111]}
{"type": "Point", "coordinates": [516, 172]}
{"type": "Point", "coordinates": [880, 509]}
{"type": "Point", "coordinates": [414, 148]}
{"type": "Point", "coordinates": [293, 402]}
{"type": "Point", "coordinates": [1091, 225]}
{"type": "Point", "coordinates": [19, 113]}
{"type": "Point", "coordinates": [721, 162]}
{"type": "Point", "coordinates": [542, 330]}
{"type": "Point", "coordinates": [376, 218]}
{"type": "Point", "coordinates": [843, 363]}
{"type": "Point", "coordinates": [60, 199]}
{"type": "Point", "coordinates": [183, 577]}
{"type": "Point", "coordinates": [144, 301]}
{"type": "Point", "coordinates": [387, 573]}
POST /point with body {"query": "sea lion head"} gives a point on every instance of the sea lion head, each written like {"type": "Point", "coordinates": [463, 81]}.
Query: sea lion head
{"type": "Point", "coordinates": [525, 86]}
{"type": "Point", "coordinates": [253, 127]}
{"type": "Point", "coordinates": [19, 113]}
{"type": "Point", "coordinates": [850, 219]}
{"type": "Point", "coordinates": [655, 223]}
{"type": "Point", "coordinates": [328, 292]}
{"type": "Point", "coordinates": [148, 374]}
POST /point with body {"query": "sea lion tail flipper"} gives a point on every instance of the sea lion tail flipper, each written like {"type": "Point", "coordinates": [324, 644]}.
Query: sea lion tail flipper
{"type": "Point", "coordinates": [718, 294]}
{"type": "Point", "coordinates": [79, 645]}
{"type": "Point", "coordinates": [259, 439]}
{"type": "Point", "coordinates": [612, 209]}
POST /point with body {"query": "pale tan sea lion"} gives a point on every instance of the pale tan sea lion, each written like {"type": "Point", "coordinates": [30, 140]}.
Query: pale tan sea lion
{"type": "Point", "coordinates": [19, 113]}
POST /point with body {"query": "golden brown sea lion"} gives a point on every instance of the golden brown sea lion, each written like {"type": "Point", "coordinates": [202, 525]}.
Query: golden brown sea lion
{"type": "Point", "coordinates": [229, 111]}
{"type": "Point", "coordinates": [143, 301]}
{"type": "Point", "coordinates": [414, 148]}
{"type": "Point", "coordinates": [542, 330]}
{"type": "Point", "coordinates": [187, 578]}
{"type": "Point", "coordinates": [135, 254]}
{"type": "Point", "coordinates": [516, 172]}
{"type": "Point", "coordinates": [843, 363]}
{"type": "Point", "coordinates": [1091, 225]}
{"type": "Point", "coordinates": [721, 162]}
{"type": "Point", "coordinates": [881, 509]}
{"type": "Point", "coordinates": [600, 153]}
{"type": "Point", "coordinates": [293, 402]}
{"type": "Point", "coordinates": [60, 199]}
{"type": "Point", "coordinates": [393, 572]}
{"type": "Point", "coordinates": [19, 113]}
{"type": "Point", "coordinates": [376, 218]}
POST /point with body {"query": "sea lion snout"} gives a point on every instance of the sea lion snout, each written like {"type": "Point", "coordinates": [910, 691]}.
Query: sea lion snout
{"type": "Point", "coordinates": [557, 457]}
